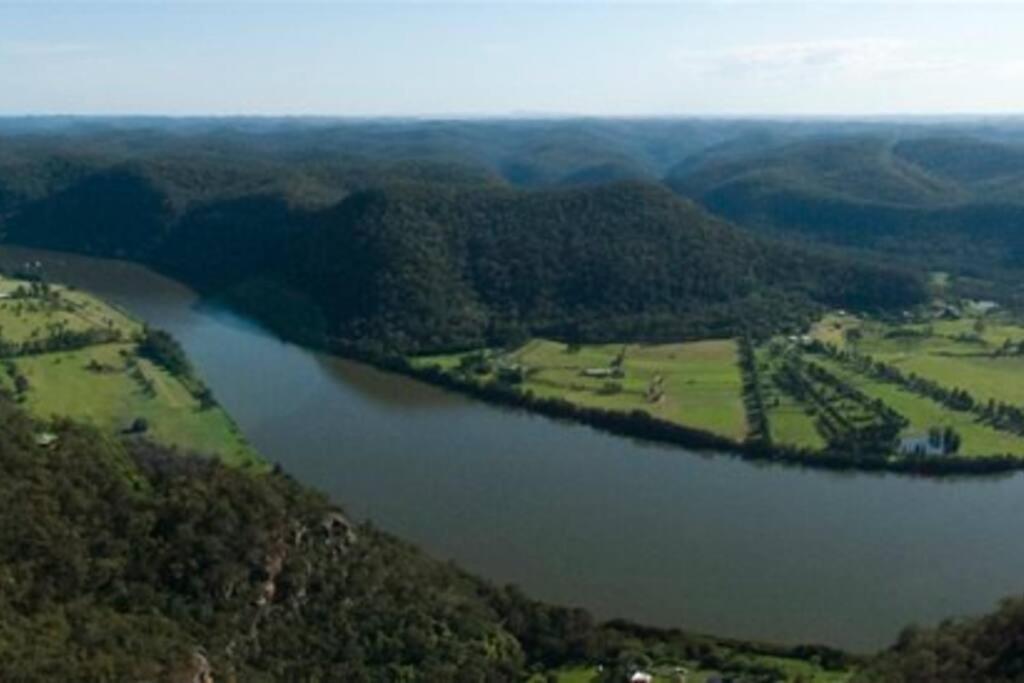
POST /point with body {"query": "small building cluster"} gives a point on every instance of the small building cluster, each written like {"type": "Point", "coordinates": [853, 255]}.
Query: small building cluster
{"type": "Point", "coordinates": [932, 443]}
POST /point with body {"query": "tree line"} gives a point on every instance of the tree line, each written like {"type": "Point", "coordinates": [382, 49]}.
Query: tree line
{"type": "Point", "coordinates": [997, 414]}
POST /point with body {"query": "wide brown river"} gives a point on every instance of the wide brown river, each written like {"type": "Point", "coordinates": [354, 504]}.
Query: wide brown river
{"type": "Point", "coordinates": [656, 534]}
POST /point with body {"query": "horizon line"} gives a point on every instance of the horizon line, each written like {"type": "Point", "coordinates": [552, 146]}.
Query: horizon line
{"type": "Point", "coordinates": [525, 116]}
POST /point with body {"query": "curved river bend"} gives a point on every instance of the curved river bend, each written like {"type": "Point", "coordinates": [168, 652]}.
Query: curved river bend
{"type": "Point", "coordinates": [576, 516]}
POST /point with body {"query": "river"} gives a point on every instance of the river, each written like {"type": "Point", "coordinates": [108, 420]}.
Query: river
{"type": "Point", "coordinates": [575, 516]}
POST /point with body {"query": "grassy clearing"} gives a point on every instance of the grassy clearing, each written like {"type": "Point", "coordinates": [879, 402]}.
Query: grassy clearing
{"type": "Point", "coordinates": [1001, 379]}
{"type": "Point", "coordinates": [791, 425]}
{"type": "Point", "coordinates": [954, 353]}
{"type": "Point", "coordinates": [954, 346]}
{"type": "Point", "coordinates": [108, 384]}
{"type": "Point", "coordinates": [446, 361]}
{"type": "Point", "coordinates": [978, 439]}
{"type": "Point", "coordinates": [62, 384]}
{"type": "Point", "coordinates": [25, 319]}
{"type": "Point", "coordinates": [697, 384]}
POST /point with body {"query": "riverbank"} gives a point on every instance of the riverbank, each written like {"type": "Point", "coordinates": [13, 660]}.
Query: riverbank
{"type": "Point", "coordinates": [641, 425]}
{"type": "Point", "coordinates": [291, 319]}
{"type": "Point", "coordinates": [668, 536]}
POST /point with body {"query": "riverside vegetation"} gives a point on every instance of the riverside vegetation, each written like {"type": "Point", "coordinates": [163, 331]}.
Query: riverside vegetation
{"type": "Point", "coordinates": [157, 552]}
{"type": "Point", "coordinates": [124, 559]}
{"type": "Point", "coordinates": [929, 389]}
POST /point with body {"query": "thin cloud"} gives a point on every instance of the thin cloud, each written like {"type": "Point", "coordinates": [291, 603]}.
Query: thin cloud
{"type": "Point", "coordinates": [863, 58]}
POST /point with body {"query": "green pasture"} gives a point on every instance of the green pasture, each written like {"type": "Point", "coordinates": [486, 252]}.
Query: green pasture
{"type": "Point", "coordinates": [700, 383]}
{"type": "Point", "coordinates": [108, 385]}
{"type": "Point", "coordinates": [26, 319]}
{"type": "Point", "coordinates": [62, 384]}
{"type": "Point", "coordinates": [923, 413]}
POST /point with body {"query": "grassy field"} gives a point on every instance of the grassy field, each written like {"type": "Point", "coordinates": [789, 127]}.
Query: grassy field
{"type": "Point", "coordinates": [108, 384]}
{"type": "Point", "coordinates": [698, 383]}
{"type": "Point", "coordinates": [959, 349]}
{"type": "Point", "coordinates": [954, 353]}
{"type": "Point", "coordinates": [25, 319]}
{"type": "Point", "coordinates": [978, 439]}
{"type": "Point", "coordinates": [792, 426]}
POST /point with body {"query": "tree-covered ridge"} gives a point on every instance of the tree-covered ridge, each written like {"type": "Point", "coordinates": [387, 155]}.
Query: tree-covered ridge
{"type": "Point", "coordinates": [428, 268]}
{"type": "Point", "coordinates": [935, 198]}
{"type": "Point", "coordinates": [123, 561]}
{"type": "Point", "coordinates": [120, 561]}
{"type": "Point", "coordinates": [443, 264]}
{"type": "Point", "coordinates": [857, 169]}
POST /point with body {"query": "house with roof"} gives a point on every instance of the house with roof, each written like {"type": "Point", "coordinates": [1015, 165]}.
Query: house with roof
{"type": "Point", "coordinates": [923, 444]}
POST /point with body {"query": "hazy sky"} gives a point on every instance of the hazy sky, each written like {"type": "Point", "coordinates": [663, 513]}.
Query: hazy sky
{"type": "Point", "coordinates": [477, 57]}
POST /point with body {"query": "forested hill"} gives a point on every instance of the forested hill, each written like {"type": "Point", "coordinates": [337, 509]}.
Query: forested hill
{"type": "Point", "coordinates": [937, 199]}
{"type": "Point", "coordinates": [457, 261]}
{"type": "Point", "coordinates": [430, 268]}
{"type": "Point", "coordinates": [121, 561]}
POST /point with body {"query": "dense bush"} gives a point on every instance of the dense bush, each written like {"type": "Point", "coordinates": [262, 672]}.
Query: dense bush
{"type": "Point", "coordinates": [990, 648]}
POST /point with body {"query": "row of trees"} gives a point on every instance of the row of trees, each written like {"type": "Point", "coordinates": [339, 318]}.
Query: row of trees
{"type": "Point", "coordinates": [18, 380]}
{"type": "Point", "coordinates": [758, 423]}
{"type": "Point", "coordinates": [163, 349]}
{"type": "Point", "coordinates": [59, 338]}
{"type": "Point", "coordinates": [998, 414]}
{"type": "Point", "coordinates": [849, 419]}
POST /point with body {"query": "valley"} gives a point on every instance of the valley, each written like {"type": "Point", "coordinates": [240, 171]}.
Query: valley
{"type": "Point", "coordinates": [670, 535]}
{"type": "Point", "coordinates": [619, 297]}
{"type": "Point", "coordinates": [511, 342]}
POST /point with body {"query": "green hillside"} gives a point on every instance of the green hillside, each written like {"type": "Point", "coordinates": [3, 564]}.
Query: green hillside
{"type": "Point", "coordinates": [424, 268]}
{"type": "Point", "coordinates": [65, 353]}
{"type": "Point", "coordinates": [940, 200]}
{"type": "Point", "coordinates": [442, 264]}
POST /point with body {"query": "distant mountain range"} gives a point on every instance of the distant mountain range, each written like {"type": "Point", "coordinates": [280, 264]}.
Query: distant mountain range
{"type": "Point", "coordinates": [942, 201]}
{"type": "Point", "coordinates": [430, 234]}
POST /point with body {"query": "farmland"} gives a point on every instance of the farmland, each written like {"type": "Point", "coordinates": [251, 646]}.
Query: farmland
{"type": "Point", "coordinates": [696, 384]}
{"type": "Point", "coordinates": [68, 354]}
{"type": "Point", "coordinates": [949, 377]}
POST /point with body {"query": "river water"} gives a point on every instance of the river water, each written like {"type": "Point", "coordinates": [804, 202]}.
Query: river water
{"type": "Point", "coordinates": [653, 533]}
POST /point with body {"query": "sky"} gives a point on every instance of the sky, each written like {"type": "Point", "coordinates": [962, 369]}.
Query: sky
{"type": "Point", "coordinates": [479, 58]}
